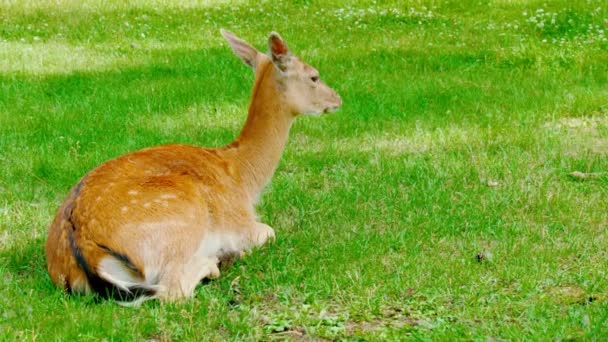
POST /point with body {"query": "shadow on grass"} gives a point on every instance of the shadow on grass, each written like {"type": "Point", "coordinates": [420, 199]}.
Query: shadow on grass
{"type": "Point", "coordinates": [83, 114]}
{"type": "Point", "coordinates": [172, 80]}
{"type": "Point", "coordinates": [25, 265]}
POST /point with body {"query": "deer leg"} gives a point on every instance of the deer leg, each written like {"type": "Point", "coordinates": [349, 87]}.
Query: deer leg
{"type": "Point", "coordinates": [256, 236]}
{"type": "Point", "coordinates": [180, 282]}
{"type": "Point", "coordinates": [261, 233]}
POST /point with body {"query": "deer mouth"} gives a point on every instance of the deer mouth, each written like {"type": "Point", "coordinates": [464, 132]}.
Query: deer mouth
{"type": "Point", "coordinates": [331, 109]}
{"type": "Point", "coordinates": [336, 102]}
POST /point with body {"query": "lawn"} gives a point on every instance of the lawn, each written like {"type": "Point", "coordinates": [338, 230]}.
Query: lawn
{"type": "Point", "coordinates": [439, 203]}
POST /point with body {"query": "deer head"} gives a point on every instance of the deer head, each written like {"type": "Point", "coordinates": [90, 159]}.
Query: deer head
{"type": "Point", "coordinates": [298, 83]}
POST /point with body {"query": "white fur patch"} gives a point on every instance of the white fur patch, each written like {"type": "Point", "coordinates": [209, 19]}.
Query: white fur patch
{"type": "Point", "coordinates": [115, 271]}
{"type": "Point", "coordinates": [136, 302]}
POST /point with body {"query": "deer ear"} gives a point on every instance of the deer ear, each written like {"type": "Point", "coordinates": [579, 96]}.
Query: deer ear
{"type": "Point", "coordinates": [241, 48]}
{"type": "Point", "coordinates": [279, 52]}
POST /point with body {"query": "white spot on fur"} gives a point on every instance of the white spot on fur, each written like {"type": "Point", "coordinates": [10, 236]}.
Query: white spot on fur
{"type": "Point", "coordinates": [124, 209]}
{"type": "Point", "coordinates": [133, 192]}
{"type": "Point", "coordinates": [157, 200]}
{"type": "Point", "coordinates": [168, 196]}
{"type": "Point", "coordinates": [98, 198]}
{"type": "Point", "coordinates": [133, 201]}
{"type": "Point", "coordinates": [165, 204]}
{"type": "Point", "coordinates": [146, 205]}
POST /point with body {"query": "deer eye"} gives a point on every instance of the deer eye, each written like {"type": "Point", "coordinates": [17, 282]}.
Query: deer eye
{"type": "Point", "coordinates": [315, 79]}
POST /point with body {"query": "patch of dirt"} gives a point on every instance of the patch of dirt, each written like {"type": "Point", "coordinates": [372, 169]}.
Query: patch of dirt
{"type": "Point", "coordinates": [292, 334]}
{"type": "Point", "coordinates": [581, 176]}
{"type": "Point", "coordinates": [567, 294]}
{"type": "Point", "coordinates": [392, 318]}
{"type": "Point", "coordinates": [365, 326]}
{"type": "Point", "coordinates": [572, 294]}
{"type": "Point", "coordinates": [582, 135]}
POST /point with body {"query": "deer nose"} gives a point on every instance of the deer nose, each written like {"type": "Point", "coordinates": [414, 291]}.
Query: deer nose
{"type": "Point", "coordinates": [338, 100]}
{"type": "Point", "coordinates": [336, 103]}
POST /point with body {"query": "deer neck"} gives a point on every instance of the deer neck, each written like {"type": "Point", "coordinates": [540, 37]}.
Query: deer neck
{"type": "Point", "coordinates": [264, 136]}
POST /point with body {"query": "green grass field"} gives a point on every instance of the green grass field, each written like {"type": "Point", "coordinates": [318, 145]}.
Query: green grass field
{"type": "Point", "coordinates": [437, 204]}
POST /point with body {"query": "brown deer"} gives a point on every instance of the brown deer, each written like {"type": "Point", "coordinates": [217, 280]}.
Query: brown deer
{"type": "Point", "coordinates": [155, 222]}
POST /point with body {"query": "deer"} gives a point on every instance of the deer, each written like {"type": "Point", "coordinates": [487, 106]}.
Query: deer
{"type": "Point", "coordinates": [154, 223]}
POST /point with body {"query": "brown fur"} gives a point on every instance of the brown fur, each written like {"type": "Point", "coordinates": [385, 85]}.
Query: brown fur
{"type": "Point", "coordinates": [149, 217]}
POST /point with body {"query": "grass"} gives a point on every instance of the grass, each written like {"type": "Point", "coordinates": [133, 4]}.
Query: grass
{"type": "Point", "coordinates": [436, 205]}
